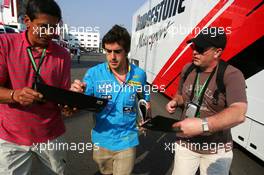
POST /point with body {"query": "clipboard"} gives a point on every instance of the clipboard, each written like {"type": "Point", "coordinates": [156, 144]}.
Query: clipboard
{"type": "Point", "coordinates": [70, 98]}
{"type": "Point", "coordinates": [161, 123]}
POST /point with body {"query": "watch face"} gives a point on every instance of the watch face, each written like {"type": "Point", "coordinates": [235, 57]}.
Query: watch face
{"type": "Point", "coordinates": [205, 125]}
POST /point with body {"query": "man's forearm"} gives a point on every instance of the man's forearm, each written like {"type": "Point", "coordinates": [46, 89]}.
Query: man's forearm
{"type": "Point", "coordinates": [6, 95]}
{"type": "Point", "coordinates": [179, 100]}
{"type": "Point", "coordinates": [228, 118]}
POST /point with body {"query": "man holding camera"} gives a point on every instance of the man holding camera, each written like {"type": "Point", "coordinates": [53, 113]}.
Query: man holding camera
{"type": "Point", "coordinates": [205, 139]}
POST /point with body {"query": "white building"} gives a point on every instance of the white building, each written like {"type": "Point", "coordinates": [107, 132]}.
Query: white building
{"type": "Point", "coordinates": [10, 13]}
{"type": "Point", "coordinates": [88, 40]}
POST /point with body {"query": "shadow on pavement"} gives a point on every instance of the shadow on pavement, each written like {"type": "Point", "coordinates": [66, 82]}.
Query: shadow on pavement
{"type": "Point", "coordinates": [153, 156]}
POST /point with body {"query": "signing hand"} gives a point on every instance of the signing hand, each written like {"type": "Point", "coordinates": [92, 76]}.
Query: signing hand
{"type": "Point", "coordinates": [78, 86]}
{"type": "Point", "coordinates": [26, 96]}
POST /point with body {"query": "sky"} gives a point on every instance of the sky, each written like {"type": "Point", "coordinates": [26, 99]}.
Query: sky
{"type": "Point", "coordinates": [99, 13]}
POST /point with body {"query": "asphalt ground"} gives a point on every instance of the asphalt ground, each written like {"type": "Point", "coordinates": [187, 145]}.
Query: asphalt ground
{"type": "Point", "coordinates": [153, 154]}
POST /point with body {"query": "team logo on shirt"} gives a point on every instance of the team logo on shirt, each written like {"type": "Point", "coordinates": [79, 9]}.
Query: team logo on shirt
{"type": "Point", "coordinates": [134, 83]}
{"type": "Point", "coordinates": [132, 97]}
{"type": "Point", "coordinates": [108, 97]}
{"type": "Point", "coordinates": [127, 109]}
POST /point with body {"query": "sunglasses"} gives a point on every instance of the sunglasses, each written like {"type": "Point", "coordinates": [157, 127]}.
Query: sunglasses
{"type": "Point", "coordinates": [118, 51]}
{"type": "Point", "coordinates": [200, 50]}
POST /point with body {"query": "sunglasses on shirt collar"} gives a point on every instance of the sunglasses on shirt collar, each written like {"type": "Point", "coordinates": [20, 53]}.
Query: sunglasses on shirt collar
{"type": "Point", "coordinates": [198, 49]}
{"type": "Point", "coordinates": [118, 51]}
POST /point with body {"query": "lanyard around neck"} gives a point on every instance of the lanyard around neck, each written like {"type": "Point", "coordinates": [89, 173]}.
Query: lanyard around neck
{"type": "Point", "coordinates": [118, 77]}
{"type": "Point", "coordinates": [35, 67]}
{"type": "Point", "coordinates": [200, 91]}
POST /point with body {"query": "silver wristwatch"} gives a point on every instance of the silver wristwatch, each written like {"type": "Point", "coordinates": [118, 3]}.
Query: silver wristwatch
{"type": "Point", "coordinates": [205, 125]}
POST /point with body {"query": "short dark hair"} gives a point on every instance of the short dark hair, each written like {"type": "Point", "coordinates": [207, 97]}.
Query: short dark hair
{"type": "Point", "coordinates": [49, 7]}
{"type": "Point", "coordinates": [118, 34]}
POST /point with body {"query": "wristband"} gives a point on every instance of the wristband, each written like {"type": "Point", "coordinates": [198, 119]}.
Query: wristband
{"type": "Point", "coordinates": [12, 95]}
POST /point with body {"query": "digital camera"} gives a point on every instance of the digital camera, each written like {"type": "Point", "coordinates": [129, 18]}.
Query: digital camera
{"type": "Point", "coordinates": [192, 109]}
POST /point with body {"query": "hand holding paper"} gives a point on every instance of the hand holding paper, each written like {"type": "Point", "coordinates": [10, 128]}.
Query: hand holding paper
{"type": "Point", "coordinates": [78, 86]}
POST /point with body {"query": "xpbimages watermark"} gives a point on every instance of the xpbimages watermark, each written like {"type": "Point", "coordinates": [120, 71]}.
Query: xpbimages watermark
{"type": "Point", "coordinates": [131, 86]}
{"type": "Point", "coordinates": [208, 147]}
{"type": "Point", "coordinates": [63, 29]}
{"type": "Point", "coordinates": [64, 146]}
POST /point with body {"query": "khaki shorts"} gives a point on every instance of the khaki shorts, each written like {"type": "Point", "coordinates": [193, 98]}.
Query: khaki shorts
{"type": "Point", "coordinates": [115, 162]}
{"type": "Point", "coordinates": [187, 162]}
{"type": "Point", "coordinates": [17, 159]}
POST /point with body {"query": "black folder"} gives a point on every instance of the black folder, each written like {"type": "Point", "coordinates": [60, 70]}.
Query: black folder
{"type": "Point", "coordinates": [70, 98]}
{"type": "Point", "coordinates": [161, 123]}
